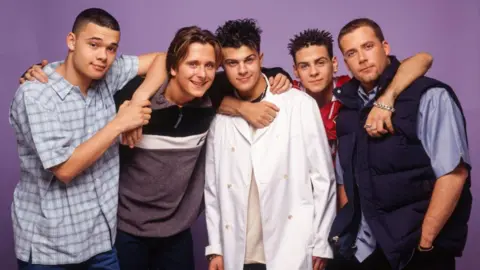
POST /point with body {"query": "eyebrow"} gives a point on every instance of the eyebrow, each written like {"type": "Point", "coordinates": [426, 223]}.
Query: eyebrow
{"type": "Point", "coordinates": [235, 60]}
{"type": "Point", "coordinates": [99, 39]}
{"type": "Point", "coordinates": [314, 60]}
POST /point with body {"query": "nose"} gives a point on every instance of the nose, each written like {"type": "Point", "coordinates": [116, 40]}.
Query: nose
{"type": "Point", "coordinates": [313, 71]}
{"type": "Point", "coordinates": [201, 72]}
{"type": "Point", "coordinates": [102, 54]}
{"type": "Point", "coordinates": [361, 56]}
{"type": "Point", "coordinates": [242, 69]}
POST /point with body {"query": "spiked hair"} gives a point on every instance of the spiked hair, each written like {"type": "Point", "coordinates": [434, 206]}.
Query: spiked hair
{"type": "Point", "coordinates": [310, 37]}
{"type": "Point", "coordinates": [237, 33]}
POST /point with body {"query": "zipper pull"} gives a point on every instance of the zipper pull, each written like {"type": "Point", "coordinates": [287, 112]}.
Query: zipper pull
{"type": "Point", "coordinates": [179, 119]}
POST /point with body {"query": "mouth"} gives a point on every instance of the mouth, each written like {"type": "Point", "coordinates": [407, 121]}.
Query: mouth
{"type": "Point", "coordinates": [244, 80]}
{"type": "Point", "coordinates": [316, 81]}
{"type": "Point", "coordinates": [367, 69]}
{"type": "Point", "coordinates": [98, 67]}
{"type": "Point", "coordinates": [198, 84]}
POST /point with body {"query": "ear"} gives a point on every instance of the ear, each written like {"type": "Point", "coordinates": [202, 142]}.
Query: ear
{"type": "Point", "coordinates": [71, 41]}
{"type": "Point", "coordinates": [335, 64]}
{"type": "Point", "coordinates": [386, 47]}
{"type": "Point", "coordinates": [295, 71]}
{"type": "Point", "coordinates": [173, 72]}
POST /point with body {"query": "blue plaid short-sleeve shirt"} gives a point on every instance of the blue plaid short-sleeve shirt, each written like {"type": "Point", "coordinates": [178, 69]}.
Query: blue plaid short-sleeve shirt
{"type": "Point", "coordinates": [56, 223]}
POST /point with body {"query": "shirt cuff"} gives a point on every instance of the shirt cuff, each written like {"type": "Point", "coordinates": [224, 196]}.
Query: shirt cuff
{"type": "Point", "coordinates": [214, 249]}
{"type": "Point", "coordinates": [323, 251]}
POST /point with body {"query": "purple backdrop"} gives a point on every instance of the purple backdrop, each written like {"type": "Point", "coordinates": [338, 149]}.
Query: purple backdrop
{"type": "Point", "coordinates": [35, 30]}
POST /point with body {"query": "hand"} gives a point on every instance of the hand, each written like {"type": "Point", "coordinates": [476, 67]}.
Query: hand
{"type": "Point", "coordinates": [132, 115]}
{"type": "Point", "coordinates": [379, 121]}
{"type": "Point", "coordinates": [279, 84]}
{"type": "Point", "coordinates": [35, 72]}
{"type": "Point", "coordinates": [260, 114]}
{"type": "Point", "coordinates": [216, 263]}
{"type": "Point", "coordinates": [319, 263]}
{"type": "Point", "coordinates": [131, 137]}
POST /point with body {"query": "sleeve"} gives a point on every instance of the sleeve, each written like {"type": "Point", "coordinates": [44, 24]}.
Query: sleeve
{"type": "Point", "coordinates": [441, 129]}
{"type": "Point", "coordinates": [52, 141]}
{"type": "Point", "coordinates": [338, 170]}
{"type": "Point", "coordinates": [220, 88]}
{"type": "Point", "coordinates": [272, 72]}
{"type": "Point", "coordinates": [123, 69]}
{"type": "Point", "coordinates": [212, 207]}
{"type": "Point", "coordinates": [321, 175]}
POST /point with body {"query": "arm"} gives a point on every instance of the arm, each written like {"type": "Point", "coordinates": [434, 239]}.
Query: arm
{"type": "Point", "coordinates": [212, 207]}
{"type": "Point", "coordinates": [442, 133]}
{"type": "Point", "coordinates": [446, 194]}
{"type": "Point", "coordinates": [341, 194]}
{"type": "Point", "coordinates": [410, 69]}
{"type": "Point", "coordinates": [321, 175]}
{"type": "Point", "coordinates": [53, 142]}
{"type": "Point", "coordinates": [154, 66]}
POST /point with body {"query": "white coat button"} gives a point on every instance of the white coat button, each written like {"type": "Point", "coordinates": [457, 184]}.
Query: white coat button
{"type": "Point", "coordinates": [227, 226]}
{"type": "Point", "coordinates": [290, 216]}
{"type": "Point", "coordinates": [233, 149]}
{"type": "Point", "coordinates": [285, 176]}
{"type": "Point", "coordinates": [229, 185]}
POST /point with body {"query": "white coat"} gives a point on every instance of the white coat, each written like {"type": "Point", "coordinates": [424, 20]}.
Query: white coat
{"type": "Point", "coordinates": [293, 168]}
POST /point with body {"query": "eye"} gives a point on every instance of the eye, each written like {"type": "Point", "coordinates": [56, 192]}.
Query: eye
{"type": "Point", "coordinates": [321, 63]}
{"type": "Point", "coordinates": [112, 49]}
{"type": "Point", "coordinates": [303, 66]}
{"type": "Point", "coordinates": [193, 65]}
{"type": "Point", "coordinates": [210, 66]}
{"type": "Point", "coordinates": [350, 54]}
{"type": "Point", "coordinates": [231, 64]}
{"type": "Point", "coordinates": [369, 46]}
{"type": "Point", "coordinates": [249, 61]}
{"type": "Point", "coordinates": [93, 45]}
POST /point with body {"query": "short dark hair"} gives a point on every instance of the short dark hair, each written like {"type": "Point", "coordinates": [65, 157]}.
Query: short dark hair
{"type": "Point", "coordinates": [360, 22]}
{"type": "Point", "coordinates": [178, 49]}
{"type": "Point", "coordinates": [237, 33]}
{"type": "Point", "coordinates": [311, 37]}
{"type": "Point", "coordinates": [97, 16]}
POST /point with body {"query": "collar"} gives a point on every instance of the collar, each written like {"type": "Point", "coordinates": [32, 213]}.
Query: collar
{"type": "Point", "coordinates": [58, 83]}
{"type": "Point", "coordinates": [262, 96]}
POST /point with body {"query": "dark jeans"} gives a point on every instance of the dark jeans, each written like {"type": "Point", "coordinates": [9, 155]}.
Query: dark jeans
{"type": "Point", "coordinates": [255, 266]}
{"type": "Point", "coordinates": [437, 259]}
{"type": "Point", "coordinates": [103, 261]}
{"type": "Point", "coordinates": [155, 253]}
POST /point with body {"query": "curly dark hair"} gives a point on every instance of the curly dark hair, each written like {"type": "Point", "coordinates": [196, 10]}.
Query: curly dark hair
{"type": "Point", "coordinates": [309, 38]}
{"type": "Point", "coordinates": [237, 33]}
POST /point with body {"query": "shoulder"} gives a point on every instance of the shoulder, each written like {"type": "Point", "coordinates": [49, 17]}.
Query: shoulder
{"type": "Point", "coordinates": [295, 96]}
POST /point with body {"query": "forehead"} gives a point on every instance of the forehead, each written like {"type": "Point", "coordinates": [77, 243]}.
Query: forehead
{"type": "Point", "coordinates": [238, 53]}
{"type": "Point", "coordinates": [200, 52]}
{"type": "Point", "coordinates": [358, 37]}
{"type": "Point", "coordinates": [311, 53]}
{"type": "Point", "coordinates": [93, 30]}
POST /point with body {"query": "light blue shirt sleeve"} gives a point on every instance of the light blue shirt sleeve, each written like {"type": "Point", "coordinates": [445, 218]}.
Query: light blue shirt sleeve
{"type": "Point", "coordinates": [440, 128]}
{"type": "Point", "coordinates": [338, 170]}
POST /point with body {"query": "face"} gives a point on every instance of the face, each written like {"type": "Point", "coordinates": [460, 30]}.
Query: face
{"type": "Point", "coordinates": [365, 55]}
{"type": "Point", "coordinates": [243, 67]}
{"type": "Point", "coordinates": [195, 73]}
{"type": "Point", "coordinates": [314, 68]}
{"type": "Point", "coordinates": [93, 50]}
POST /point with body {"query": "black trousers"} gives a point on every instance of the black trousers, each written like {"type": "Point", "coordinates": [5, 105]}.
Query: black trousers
{"type": "Point", "coordinates": [255, 266]}
{"type": "Point", "coordinates": [436, 259]}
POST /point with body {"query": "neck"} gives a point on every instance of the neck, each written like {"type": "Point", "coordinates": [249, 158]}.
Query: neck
{"type": "Point", "coordinates": [368, 87]}
{"type": "Point", "coordinates": [323, 97]}
{"type": "Point", "coordinates": [255, 92]}
{"type": "Point", "coordinates": [175, 94]}
{"type": "Point", "coordinates": [68, 71]}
